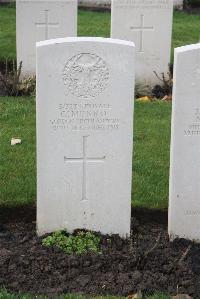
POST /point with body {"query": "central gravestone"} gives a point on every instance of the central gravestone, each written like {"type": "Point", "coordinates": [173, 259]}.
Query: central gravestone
{"type": "Point", "coordinates": [84, 134]}
{"type": "Point", "coordinates": [147, 23]}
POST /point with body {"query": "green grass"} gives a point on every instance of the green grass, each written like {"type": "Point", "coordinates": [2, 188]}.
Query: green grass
{"type": "Point", "coordinates": [17, 163]}
{"type": "Point", "coordinates": [6, 295]}
{"type": "Point", "coordinates": [185, 28]}
{"type": "Point", "coordinates": [7, 33]}
{"type": "Point", "coordinates": [159, 296]}
{"type": "Point", "coordinates": [151, 153]}
{"type": "Point", "coordinates": [93, 23]}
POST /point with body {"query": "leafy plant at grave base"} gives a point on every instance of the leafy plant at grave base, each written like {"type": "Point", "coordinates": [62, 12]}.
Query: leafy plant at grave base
{"type": "Point", "coordinates": [11, 83]}
{"type": "Point", "coordinates": [164, 90]}
{"type": "Point", "coordinates": [80, 243]}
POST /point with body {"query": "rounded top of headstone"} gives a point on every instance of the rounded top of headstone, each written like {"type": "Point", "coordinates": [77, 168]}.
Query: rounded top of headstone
{"type": "Point", "coordinates": [187, 48]}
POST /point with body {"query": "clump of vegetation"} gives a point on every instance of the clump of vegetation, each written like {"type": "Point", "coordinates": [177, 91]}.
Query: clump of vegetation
{"type": "Point", "coordinates": [164, 90]}
{"type": "Point", "coordinates": [13, 84]}
{"type": "Point", "coordinates": [80, 243]}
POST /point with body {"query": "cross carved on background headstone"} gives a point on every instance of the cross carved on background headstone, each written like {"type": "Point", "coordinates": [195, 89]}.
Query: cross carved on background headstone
{"type": "Point", "coordinates": [141, 29]}
{"type": "Point", "coordinates": [46, 24]}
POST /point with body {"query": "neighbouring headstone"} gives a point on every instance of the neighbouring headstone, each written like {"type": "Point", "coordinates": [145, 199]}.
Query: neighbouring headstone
{"type": "Point", "coordinates": [184, 203]}
{"type": "Point", "coordinates": [38, 20]}
{"type": "Point", "coordinates": [85, 94]}
{"type": "Point", "coordinates": [148, 23]}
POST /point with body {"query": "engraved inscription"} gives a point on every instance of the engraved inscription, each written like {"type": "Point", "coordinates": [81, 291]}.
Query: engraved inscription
{"type": "Point", "coordinates": [85, 117]}
{"type": "Point", "coordinates": [46, 24]}
{"type": "Point", "coordinates": [86, 75]}
{"type": "Point", "coordinates": [192, 213]}
{"type": "Point", "coordinates": [194, 128]}
{"type": "Point", "coordinates": [141, 29]}
{"type": "Point", "coordinates": [84, 160]}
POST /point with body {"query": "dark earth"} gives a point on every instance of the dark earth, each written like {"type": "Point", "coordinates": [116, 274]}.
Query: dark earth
{"type": "Point", "coordinates": [146, 262]}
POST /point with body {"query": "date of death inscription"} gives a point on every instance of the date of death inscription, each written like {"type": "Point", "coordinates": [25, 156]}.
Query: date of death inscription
{"type": "Point", "coordinates": [85, 117]}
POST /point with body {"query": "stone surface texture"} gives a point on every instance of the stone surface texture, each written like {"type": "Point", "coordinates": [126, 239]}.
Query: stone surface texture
{"type": "Point", "coordinates": [149, 25]}
{"type": "Point", "coordinates": [108, 2]}
{"type": "Point", "coordinates": [85, 94]}
{"type": "Point", "coordinates": [41, 20]}
{"type": "Point", "coordinates": [184, 208]}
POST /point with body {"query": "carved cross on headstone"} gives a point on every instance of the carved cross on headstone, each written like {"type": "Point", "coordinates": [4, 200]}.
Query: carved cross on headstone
{"type": "Point", "coordinates": [84, 160]}
{"type": "Point", "coordinates": [141, 29]}
{"type": "Point", "coordinates": [46, 24]}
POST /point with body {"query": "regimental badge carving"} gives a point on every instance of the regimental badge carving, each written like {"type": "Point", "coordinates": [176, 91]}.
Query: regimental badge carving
{"type": "Point", "coordinates": [86, 75]}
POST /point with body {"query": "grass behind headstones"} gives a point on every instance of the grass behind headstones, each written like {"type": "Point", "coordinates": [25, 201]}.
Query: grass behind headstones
{"type": "Point", "coordinates": [7, 33]}
{"type": "Point", "coordinates": [185, 28]}
{"type": "Point", "coordinates": [151, 155]}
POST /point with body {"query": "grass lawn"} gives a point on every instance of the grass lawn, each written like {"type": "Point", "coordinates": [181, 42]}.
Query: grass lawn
{"type": "Point", "coordinates": [185, 29]}
{"type": "Point", "coordinates": [151, 153]}
{"type": "Point", "coordinates": [7, 33]}
{"type": "Point", "coordinates": [5, 295]}
{"type": "Point", "coordinates": [17, 163]}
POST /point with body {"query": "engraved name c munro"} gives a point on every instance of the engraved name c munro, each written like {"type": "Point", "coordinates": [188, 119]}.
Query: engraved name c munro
{"type": "Point", "coordinates": [86, 75]}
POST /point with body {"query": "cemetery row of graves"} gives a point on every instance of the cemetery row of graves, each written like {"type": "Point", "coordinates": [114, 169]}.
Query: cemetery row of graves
{"type": "Point", "coordinates": [102, 164]}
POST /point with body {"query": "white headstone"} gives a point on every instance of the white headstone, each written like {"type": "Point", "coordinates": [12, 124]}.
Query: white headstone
{"type": "Point", "coordinates": [178, 3]}
{"type": "Point", "coordinates": [85, 94]}
{"type": "Point", "coordinates": [38, 20]}
{"type": "Point", "coordinates": [149, 25]}
{"type": "Point", "coordinates": [184, 205]}
{"type": "Point", "coordinates": [108, 2]}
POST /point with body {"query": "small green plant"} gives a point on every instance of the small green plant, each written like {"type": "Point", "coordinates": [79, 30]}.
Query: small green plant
{"type": "Point", "coordinates": [80, 243]}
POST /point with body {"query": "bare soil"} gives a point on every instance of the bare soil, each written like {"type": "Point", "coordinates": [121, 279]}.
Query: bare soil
{"type": "Point", "coordinates": [146, 262]}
